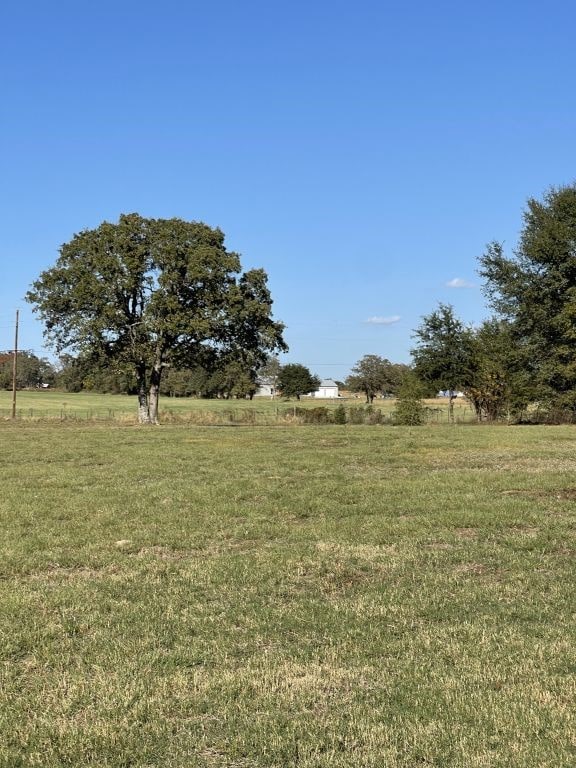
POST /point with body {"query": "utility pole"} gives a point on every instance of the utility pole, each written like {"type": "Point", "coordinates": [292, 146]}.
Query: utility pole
{"type": "Point", "coordinates": [15, 367]}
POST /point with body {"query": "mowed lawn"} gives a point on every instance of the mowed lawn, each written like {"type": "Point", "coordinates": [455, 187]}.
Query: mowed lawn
{"type": "Point", "coordinates": [320, 596]}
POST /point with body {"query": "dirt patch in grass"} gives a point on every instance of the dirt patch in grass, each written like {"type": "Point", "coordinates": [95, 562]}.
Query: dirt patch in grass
{"type": "Point", "coordinates": [567, 494]}
{"type": "Point", "coordinates": [363, 551]}
{"type": "Point", "coordinates": [480, 570]}
{"type": "Point", "coordinates": [162, 553]}
{"type": "Point", "coordinates": [466, 533]}
{"type": "Point", "coordinates": [563, 494]}
{"type": "Point", "coordinates": [524, 530]}
{"type": "Point", "coordinates": [83, 573]}
{"type": "Point", "coordinates": [476, 569]}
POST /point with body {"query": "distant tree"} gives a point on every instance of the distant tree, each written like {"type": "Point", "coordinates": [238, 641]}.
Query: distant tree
{"type": "Point", "coordinates": [374, 375]}
{"type": "Point", "coordinates": [500, 382]}
{"type": "Point", "coordinates": [199, 378]}
{"type": "Point", "coordinates": [270, 372]}
{"type": "Point", "coordinates": [535, 291]}
{"type": "Point", "coordinates": [233, 380]}
{"type": "Point", "coordinates": [31, 370]}
{"type": "Point", "coordinates": [296, 380]}
{"type": "Point", "coordinates": [398, 374]}
{"type": "Point", "coordinates": [244, 385]}
{"type": "Point", "coordinates": [180, 382]}
{"type": "Point", "coordinates": [443, 355]}
{"type": "Point", "coordinates": [409, 401]}
{"type": "Point", "coordinates": [70, 373]}
{"type": "Point", "coordinates": [143, 294]}
{"type": "Point", "coordinates": [91, 373]}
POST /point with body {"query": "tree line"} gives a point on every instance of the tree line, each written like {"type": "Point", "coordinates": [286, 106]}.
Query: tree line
{"type": "Point", "coordinates": [32, 372]}
{"type": "Point", "coordinates": [373, 376]}
{"type": "Point", "coordinates": [160, 306]}
{"type": "Point", "coordinates": [522, 360]}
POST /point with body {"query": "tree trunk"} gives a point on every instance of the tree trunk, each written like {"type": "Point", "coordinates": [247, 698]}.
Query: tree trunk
{"type": "Point", "coordinates": [143, 409]}
{"type": "Point", "coordinates": [154, 393]}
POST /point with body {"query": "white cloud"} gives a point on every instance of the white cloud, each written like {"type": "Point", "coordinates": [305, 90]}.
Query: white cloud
{"type": "Point", "coordinates": [459, 282]}
{"type": "Point", "coordinates": [383, 320]}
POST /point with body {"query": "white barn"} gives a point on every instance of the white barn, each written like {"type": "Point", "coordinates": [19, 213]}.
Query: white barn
{"type": "Point", "coordinates": [327, 389]}
{"type": "Point", "coordinates": [266, 388]}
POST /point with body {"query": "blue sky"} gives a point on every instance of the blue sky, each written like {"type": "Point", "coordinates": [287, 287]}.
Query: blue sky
{"type": "Point", "coordinates": [362, 153]}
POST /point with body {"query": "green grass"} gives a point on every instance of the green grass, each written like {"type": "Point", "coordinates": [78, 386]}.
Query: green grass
{"type": "Point", "coordinates": [330, 596]}
{"type": "Point", "coordinates": [91, 406]}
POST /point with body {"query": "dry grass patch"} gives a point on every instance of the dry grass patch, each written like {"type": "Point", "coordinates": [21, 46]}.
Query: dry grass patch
{"type": "Point", "coordinates": [82, 573]}
{"type": "Point", "coordinates": [466, 533]}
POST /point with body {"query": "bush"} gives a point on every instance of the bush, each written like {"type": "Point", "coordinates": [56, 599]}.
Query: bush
{"type": "Point", "coordinates": [365, 414]}
{"type": "Point", "coordinates": [339, 414]}
{"type": "Point", "coordinates": [409, 407]}
{"type": "Point", "coordinates": [373, 415]}
{"type": "Point", "coordinates": [320, 415]}
{"type": "Point", "coordinates": [356, 414]}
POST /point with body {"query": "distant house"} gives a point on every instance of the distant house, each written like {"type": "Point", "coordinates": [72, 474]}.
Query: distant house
{"type": "Point", "coordinates": [266, 388]}
{"type": "Point", "coordinates": [449, 393]}
{"type": "Point", "coordinates": [327, 389]}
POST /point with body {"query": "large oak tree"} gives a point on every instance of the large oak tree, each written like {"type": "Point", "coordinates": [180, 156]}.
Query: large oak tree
{"type": "Point", "coordinates": [149, 293]}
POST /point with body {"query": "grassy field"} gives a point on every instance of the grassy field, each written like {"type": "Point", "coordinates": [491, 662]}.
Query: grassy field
{"type": "Point", "coordinates": [90, 406]}
{"type": "Point", "coordinates": [323, 597]}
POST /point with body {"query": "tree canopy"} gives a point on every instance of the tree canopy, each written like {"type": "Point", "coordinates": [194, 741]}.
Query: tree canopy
{"type": "Point", "coordinates": [144, 294]}
{"type": "Point", "coordinates": [31, 370]}
{"type": "Point", "coordinates": [375, 375]}
{"type": "Point", "coordinates": [535, 290]}
{"type": "Point", "coordinates": [498, 383]}
{"type": "Point", "coordinates": [443, 353]}
{"type": "Point", "coordinates": [296, 380]}
{"type": "Point", "coordinates": [270, 371]}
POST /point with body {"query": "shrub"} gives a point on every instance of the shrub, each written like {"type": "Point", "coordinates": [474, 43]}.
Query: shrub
{"type": "Point", "coordinates": [339, 414]}
{"type": "Point", "coordinates": [356, 414]}
{"type": "Point", "coordinates": [320, 415]}
{"type": "Point", "coordinates": [409, 407]}
{"type": "Point", "coordinates": [373, 415]}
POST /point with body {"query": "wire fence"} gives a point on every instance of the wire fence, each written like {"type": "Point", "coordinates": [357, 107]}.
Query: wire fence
{"type": "Point", "coordinates": [281, 415]}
